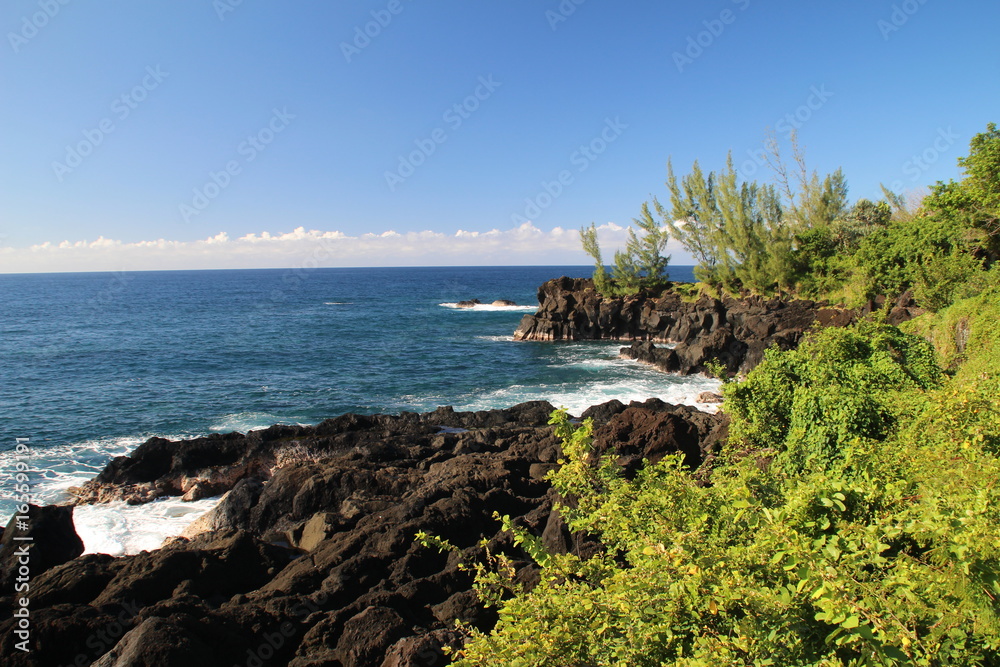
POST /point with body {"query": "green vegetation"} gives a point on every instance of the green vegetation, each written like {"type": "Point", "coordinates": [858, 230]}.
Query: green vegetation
{"type": "Point", "coordinates": [641, 266]}
{"type": "Point", "coordinates": [745, 235]}
{"type": "Point", "coordinates": [853, 516]}
{"type": "Point", "coordinates": [800, 236]}
{"type": "Point", "coordinates": [851, 520]}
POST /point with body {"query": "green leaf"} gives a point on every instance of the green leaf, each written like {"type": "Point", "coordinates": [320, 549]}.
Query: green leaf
{"type": "Point", "coordinates": [894, 653]}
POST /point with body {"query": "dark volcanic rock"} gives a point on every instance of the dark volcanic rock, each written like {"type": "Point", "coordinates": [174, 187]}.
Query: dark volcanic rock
{"type": "Point", "coordinates": [210, 465]}
{"type": "Point", "coordinates": [652, 429]}
{"type": "Point", "coordinates": [425, 650]}
{"type": "Point", "coordinates": [53, 541]}
{"type": "Point", "coordinates": [311, 557]}
{"type": "Point", "coordinates": [733, 332]}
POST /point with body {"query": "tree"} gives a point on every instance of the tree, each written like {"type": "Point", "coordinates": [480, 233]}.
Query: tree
{"type": "Point", "coordinates": [591, 246]}
{"type": "Point", "coordinates": [976, 198]}
{"type": "Point", "coordinates": [645, 253]}
{"type": "Point", "coordinates": [735, 230]}
{"type": "Point", "coordinates": [982, 172]}
{"type": "Point", "coordinates": [943, 251]}
{"type": "Point", "coordinates": [810, 202]}
{"type": "Point", "coordinates": [641, 265]}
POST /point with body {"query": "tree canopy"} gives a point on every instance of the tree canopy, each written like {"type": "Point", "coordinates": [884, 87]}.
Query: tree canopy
{"type": "Point", "coordinates": [640, 266]}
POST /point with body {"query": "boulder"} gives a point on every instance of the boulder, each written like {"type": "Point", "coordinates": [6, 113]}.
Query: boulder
{"type": "Point", "coordinates": [51, 540]}
{"type": "Point", "coordinates": [427, 650]}
{"type": "Point", "coordinates": [709, 397]}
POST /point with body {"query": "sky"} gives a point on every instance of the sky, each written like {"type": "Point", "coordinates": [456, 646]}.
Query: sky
{"type": "Point", "coordinates": [183, 134]}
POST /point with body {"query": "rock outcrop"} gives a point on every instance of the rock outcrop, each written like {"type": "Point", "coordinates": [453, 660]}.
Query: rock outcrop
{"type": "Point", "coordinates": [48, 536]}
{"type": "Point", "coordinates": [310, 558]}
{"type": "Point", "coordinates": [731, 331]}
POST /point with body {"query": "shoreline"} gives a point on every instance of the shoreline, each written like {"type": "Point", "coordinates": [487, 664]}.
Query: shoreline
{"type": "Point", "coordinates": [333, 526]}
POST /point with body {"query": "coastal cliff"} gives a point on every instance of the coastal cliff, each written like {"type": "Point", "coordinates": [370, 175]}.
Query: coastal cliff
{"type": "Point", "coordinates": [727, 330]}
{"type": "Point", "coordinates": [310, 558]}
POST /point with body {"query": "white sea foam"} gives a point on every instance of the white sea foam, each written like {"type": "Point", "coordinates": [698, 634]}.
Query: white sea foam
{"type": "Point", "coordinates": [120, 529]}
{"type": "Point", "coordinates": [497, 339]}
{"type": "Point", "coordinates": [480, 307]}
{"type": "Point", "coordinates": [577, 401]}
{"type": "Point", "coordinates": [620, 379]}
{"type": "Point", "coordinates": [54, 469]}
{"type": "Point", "coordinates": [336, 303]}
{"type": "Point", "coordinates": [113, 528]}
{"type": "Point", "coordinates": [246, 421]}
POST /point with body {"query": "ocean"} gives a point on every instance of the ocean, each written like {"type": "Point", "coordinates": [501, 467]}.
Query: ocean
{"type": "Point", "coordinates": [96, 363]}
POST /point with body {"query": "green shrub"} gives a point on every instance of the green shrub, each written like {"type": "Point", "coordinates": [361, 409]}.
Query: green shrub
{"type": "Point", "coordinates": [883, 551]}
{"type": "Point", "coordinates": [843, 384]}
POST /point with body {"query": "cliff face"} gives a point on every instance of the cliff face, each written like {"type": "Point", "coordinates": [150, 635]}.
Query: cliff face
{"type": "Point", "coordinates": [732, 331]}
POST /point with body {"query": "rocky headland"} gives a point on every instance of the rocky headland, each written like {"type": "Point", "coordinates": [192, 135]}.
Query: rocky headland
{"type": "Point", "coordinates": [733, 332]}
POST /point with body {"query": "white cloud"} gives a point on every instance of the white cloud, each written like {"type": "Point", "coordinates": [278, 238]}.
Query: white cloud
{"type": "Point", "coordinates": [522, 245]}
{"type": "Point", "coordinates": [525, 244]}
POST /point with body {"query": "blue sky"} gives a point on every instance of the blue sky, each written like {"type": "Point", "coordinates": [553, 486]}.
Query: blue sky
{"type": "Point", "coordinates": [201, 134]}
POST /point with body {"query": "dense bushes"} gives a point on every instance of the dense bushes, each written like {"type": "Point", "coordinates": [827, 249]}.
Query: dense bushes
{"type": "Point", "coordinates": [810, 404]}
{"type": "Point", "coordinates": [853, 516]}
{"type": "Point", "coordinates": [838, 529]}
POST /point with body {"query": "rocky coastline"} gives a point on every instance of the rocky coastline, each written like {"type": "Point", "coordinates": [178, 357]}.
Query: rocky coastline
{"type": "Point", "coordinates": [310, 556]}
{"type": "Point", "coordinates": [700, 330]}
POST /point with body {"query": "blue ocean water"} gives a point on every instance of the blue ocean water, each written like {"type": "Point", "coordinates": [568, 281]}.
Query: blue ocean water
{"type": "Point", "coordinates": [95, 363]}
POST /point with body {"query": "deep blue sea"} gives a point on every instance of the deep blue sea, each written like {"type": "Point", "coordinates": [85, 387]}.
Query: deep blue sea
{"type": "Point", "coordinates": [95, 363]}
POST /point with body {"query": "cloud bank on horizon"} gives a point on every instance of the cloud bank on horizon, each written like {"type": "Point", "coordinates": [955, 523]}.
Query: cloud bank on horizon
{"type": "Point", "coordinates": [522, 245]}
